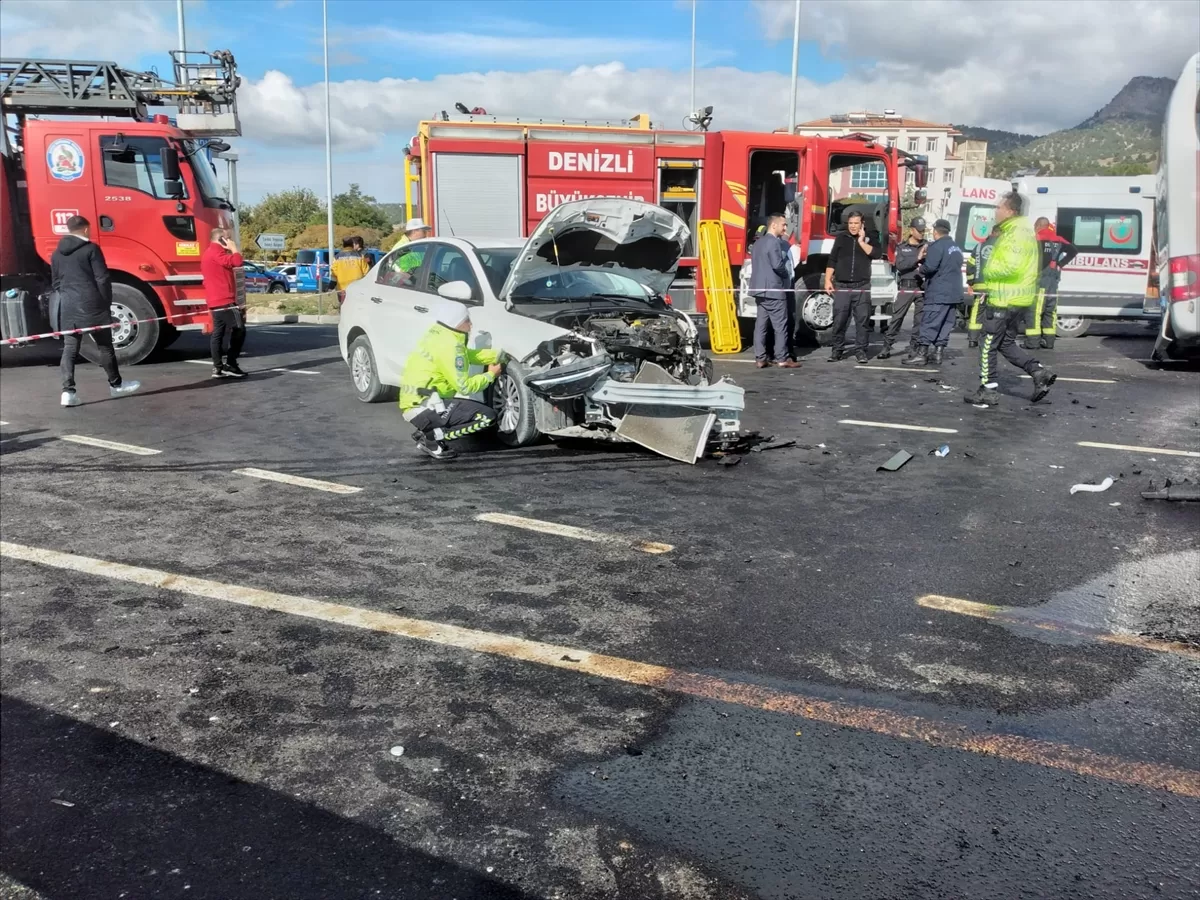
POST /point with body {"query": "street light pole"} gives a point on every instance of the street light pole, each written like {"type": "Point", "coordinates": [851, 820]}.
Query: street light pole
{"type": "Point", "coordinates": [692, 107]}
{"type": "Point", "coordinates": [328, 152]}
{"type": "Point", "coordinates": [180, 25]}
{"type": "Point", "coordinates": [795, 68]}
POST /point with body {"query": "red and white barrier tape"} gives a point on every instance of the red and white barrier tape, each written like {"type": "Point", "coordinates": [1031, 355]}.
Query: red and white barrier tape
{"type": "Point", "coordinates": [58, 334]}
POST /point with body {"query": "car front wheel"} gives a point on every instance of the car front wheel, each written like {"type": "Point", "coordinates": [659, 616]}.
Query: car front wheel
{"type": "Point", "coordinates": [516, 421]}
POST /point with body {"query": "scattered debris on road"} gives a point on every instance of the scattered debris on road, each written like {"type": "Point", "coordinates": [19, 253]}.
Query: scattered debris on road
{"type": "Point", "coordinates": [1093, 488]}
{"type": "Point", "coordinates": [895, 462]}
{"type": "Point", "coordinates": [1184, 492]}
{"type": "Point", "coordinates": [397, 751]}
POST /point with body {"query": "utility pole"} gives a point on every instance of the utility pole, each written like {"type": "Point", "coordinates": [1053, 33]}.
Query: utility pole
{"type": "Point", "coordinates": [328, 152]}
{"type": "Point", "coordinates": [795, 69]}
{"type": "Point", "coordinates": [692, 107]}
{"type": "Point", "coordinates": [180, 25]}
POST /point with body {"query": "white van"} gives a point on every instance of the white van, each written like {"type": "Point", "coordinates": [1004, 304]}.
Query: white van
{"type": "Point", "coordinates": [1109, 219]}
{"type": "Point", "coordinates": [1178, 219]}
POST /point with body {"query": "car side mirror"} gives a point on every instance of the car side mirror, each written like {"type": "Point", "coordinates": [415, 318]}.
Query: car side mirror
{"type": "Point", "coordinates": [170, 164]}
{"type": "Point", "coordinates": [921, 175]}
{"type": "Point", "coordinates": [456, 290]}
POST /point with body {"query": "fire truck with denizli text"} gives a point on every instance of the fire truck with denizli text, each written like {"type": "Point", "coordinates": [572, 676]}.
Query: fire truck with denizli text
{"type": "Point", "coordinates": [482, 176]}
{"type": "Point", "coordinates": [144, 182]}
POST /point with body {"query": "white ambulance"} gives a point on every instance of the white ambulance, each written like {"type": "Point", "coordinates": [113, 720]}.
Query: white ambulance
{"type": "Point", "coordinates": [1109, 219]}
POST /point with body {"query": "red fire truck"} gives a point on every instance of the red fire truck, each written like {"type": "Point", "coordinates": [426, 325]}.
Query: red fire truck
{"type": "Point", "coordinates": [147, 186]}
{"type": "Point", "coordinates": [481, 177]}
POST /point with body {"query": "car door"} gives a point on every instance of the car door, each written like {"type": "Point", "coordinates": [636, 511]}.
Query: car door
{"type": "Point", "coordinates": [398, 305]}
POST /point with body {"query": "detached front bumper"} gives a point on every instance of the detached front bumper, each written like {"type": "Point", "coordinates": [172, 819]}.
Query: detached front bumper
{"type": "Point", "coordinates": [720, 397]}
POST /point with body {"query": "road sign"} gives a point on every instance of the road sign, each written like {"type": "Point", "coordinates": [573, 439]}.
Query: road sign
{"type": "Point", "coordinates": [271, 241]}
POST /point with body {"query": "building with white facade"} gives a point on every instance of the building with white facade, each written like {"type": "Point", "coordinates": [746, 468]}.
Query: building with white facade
{"type": "Point", "coordinates": [938, 142]}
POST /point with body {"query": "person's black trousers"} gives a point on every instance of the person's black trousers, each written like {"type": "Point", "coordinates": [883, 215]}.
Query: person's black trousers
{"type": "Point", "coordinates": [108, 357]}
{"type": "Point", "coordinates": [227, 319]}
{"type": "Point", "coordinates": [459, 419]}
{"type": "Point", "coordinates": [773, 314]}
{"type": "Point", "coordinates": [851, 299]}
{"type": "Point", "coordinates": [1001, 327]}
{"type": "Point", "coordinates": [905, 297]}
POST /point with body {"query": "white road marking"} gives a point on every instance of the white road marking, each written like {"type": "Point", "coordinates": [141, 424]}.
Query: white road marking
{"type": "Point", "coordinates": [898, 427]}
{"type": "Point", "coordinates": [1081, 380]}
{"type": "Point", "coordinates": [934, 732]}
{"type": "Point", "coordinates": [918, 370]}
{"type": "Point", "coordinates": [3, 423]}
{"type": "Point", "coordinates": [199, 362]}
{"type": "Point", "coordinates": [297, 371]}
{"type": "Point", "coordinates": [1134, 449]}
{"type": "Point", "coordinates": [570, 531]}
{"type": "Point", "coordinates": [267, 475]}
{"type": "Point", "coordinates": [108, 445]}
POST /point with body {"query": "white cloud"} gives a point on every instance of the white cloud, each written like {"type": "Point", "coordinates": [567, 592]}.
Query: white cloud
{"type": "Point", "coordinates": [77, 29]}
{"type": "Point", "coordinates": [1025, 66]}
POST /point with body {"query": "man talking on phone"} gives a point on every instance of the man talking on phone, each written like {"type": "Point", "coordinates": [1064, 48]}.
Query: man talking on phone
{"type": "Point", "coordinates": [848, 279]}
{"type": "Point", "coordinates": [220, 293]}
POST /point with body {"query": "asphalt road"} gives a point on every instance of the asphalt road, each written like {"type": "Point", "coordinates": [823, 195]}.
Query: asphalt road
{"type": "Point", "coordinates": [765, 710]}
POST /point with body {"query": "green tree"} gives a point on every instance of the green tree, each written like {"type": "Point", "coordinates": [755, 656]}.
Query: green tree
{"type": "Point", "coordinates": [358, 210]}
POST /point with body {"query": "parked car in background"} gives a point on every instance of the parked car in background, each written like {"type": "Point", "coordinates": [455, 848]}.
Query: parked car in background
{"type": "Point", "coordinates": [288, 272]}
{"type": "Point", "coordinates": [311, 264]}
{"type": "Point", "coordinates": [261, 280]}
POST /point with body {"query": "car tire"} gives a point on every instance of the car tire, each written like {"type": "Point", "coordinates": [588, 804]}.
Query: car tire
{"type": "Point", "coordinates": [1072, 326]}
{"type": "Point", "coordinates": [277, 288]}
{"type": "Point", "coordinates": [364, 373]}
{"type": "Point", "coordinates": [515, 405]}
{"type": "Point", "coordinates": [133, 343]}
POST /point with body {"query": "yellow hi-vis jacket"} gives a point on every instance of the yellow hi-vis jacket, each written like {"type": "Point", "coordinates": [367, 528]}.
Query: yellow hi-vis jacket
{"type": "Point", "coordinates": [1010, 273]}
{"type": "Point", "coordinates": [348, 268]}
{"type": "Point", "coordinates": [441, 363]}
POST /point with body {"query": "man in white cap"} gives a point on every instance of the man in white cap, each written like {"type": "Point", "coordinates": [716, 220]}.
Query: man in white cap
{"type": "Point", "coordinates": [437, 381]}
{"type": "Point", "coordinates": [414, 230]}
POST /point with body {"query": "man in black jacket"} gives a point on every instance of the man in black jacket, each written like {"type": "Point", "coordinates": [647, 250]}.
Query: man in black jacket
{"type": "Point", "coordinates": [848, 279]}
{"type": "Point", "coordinates": [79, 275]}
{"type": "Point", "coordinates": [908, 288]}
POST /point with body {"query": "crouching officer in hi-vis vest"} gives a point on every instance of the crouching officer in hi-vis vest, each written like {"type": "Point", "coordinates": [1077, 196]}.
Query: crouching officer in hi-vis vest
{"type": "Point", "coordinates": [1009, 278]}
{"type": "Point", "coordinates": [436, 373]}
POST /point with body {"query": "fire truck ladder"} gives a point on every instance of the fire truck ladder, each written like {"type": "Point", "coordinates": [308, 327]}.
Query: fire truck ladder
{"type": "Point", "coordinates": [204, 91]}
{"type": "Point", "coordinates": [724, 333]}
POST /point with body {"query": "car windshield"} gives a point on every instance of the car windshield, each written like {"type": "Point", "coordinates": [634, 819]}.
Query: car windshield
{"type": "Point", "coordinates": [581, 284]}
{"type": "Point", "coordinates": [497, 262]}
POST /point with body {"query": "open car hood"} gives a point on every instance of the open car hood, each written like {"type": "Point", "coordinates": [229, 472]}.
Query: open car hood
{"type": "Point", "coordinates": [638, 240]}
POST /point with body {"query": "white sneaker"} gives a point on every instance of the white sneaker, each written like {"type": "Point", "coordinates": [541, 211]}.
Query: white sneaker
{"type": "Point", "coordinates": [125, 387]}
{"type": "Point", "coordinates": [69, 398]}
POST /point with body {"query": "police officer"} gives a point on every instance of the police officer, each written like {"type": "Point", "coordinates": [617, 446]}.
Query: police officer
{"type": "Point", "coordinates": [1056, 252]}
{"type": "Point", "coordinates": [436, 374]}
{"type": "Point", "coordinates": [941, 270]}
{"type": "Point", "coordinates": [1009, 285]}
{"type": "Point", "coordinates": [908, 288]}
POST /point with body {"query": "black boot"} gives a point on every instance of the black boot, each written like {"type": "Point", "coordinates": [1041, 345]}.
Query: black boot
{"type": "Point", "coordinates": [971, 340]}
{"type": "Point", "coordinates": [984, 396]}
{"type": "Point", "coordinates": [1048, 342]}
{"type": "Point", "coordinates": [835, 356]}
{"type": "Point", "coordinates": [937, 355]}
{"type": "Point", "coordinates": [919, 358]}
{"type": "Point", "coordinates": [1043, 378]}
{"type": "Point", "coordinates": [886, 352]}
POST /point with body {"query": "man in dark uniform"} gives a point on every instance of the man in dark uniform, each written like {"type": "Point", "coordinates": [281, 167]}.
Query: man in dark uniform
{"type": "Point", "coordinates": [79, 276]}
{"type": "Point", "coordinates": [908, 288]}
{"type": "Point", "coordinates": [942, 269]}
{"type": "Point", "coordinates": [1056, 252]}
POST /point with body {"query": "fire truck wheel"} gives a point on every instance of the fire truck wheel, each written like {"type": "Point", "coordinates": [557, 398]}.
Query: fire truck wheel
{"type": "Point", "coordinates": [516, 418]}
{"type": "Point", "coordinates": [135, 337]}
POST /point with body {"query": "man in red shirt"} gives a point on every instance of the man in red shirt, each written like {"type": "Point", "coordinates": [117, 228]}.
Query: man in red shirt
{"type": "Point", "coordinates": [1056, 252]}
{"type": "Point", "coordinates": [220, 293]}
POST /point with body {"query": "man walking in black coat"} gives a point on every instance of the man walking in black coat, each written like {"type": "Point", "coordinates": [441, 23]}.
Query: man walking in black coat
{"type": "Point", "coordinates": [79, 275]}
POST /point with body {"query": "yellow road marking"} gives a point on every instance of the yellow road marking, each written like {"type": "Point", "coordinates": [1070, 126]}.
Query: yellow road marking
{"type": "Point", "coordinates": [331, 486]}
{"type": "Point", "coordinates": [1063, 757]}
{"type": "Point", "coordinates": [108, 445]}
{"type": "Point", "coordinates": [1019, 616]}
{"type": "Point", "coordinates": [570, 531]}
{"type": "Point", "coordinates": [898, 426]}
{"type": "Point", "coordinates": [1135, 449]}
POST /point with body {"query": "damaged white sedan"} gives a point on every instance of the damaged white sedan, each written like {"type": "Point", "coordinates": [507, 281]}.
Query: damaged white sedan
{"type": "Point", "coordinates": [580, 308]}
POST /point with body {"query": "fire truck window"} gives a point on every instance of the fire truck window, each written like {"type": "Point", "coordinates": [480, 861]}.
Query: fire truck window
{"type": "Point", "coordinates": [772, 187]}
{"type": "Point", "coordinates": [135, 163]}
{"type": "Point", "coordinates": [856, 183]}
